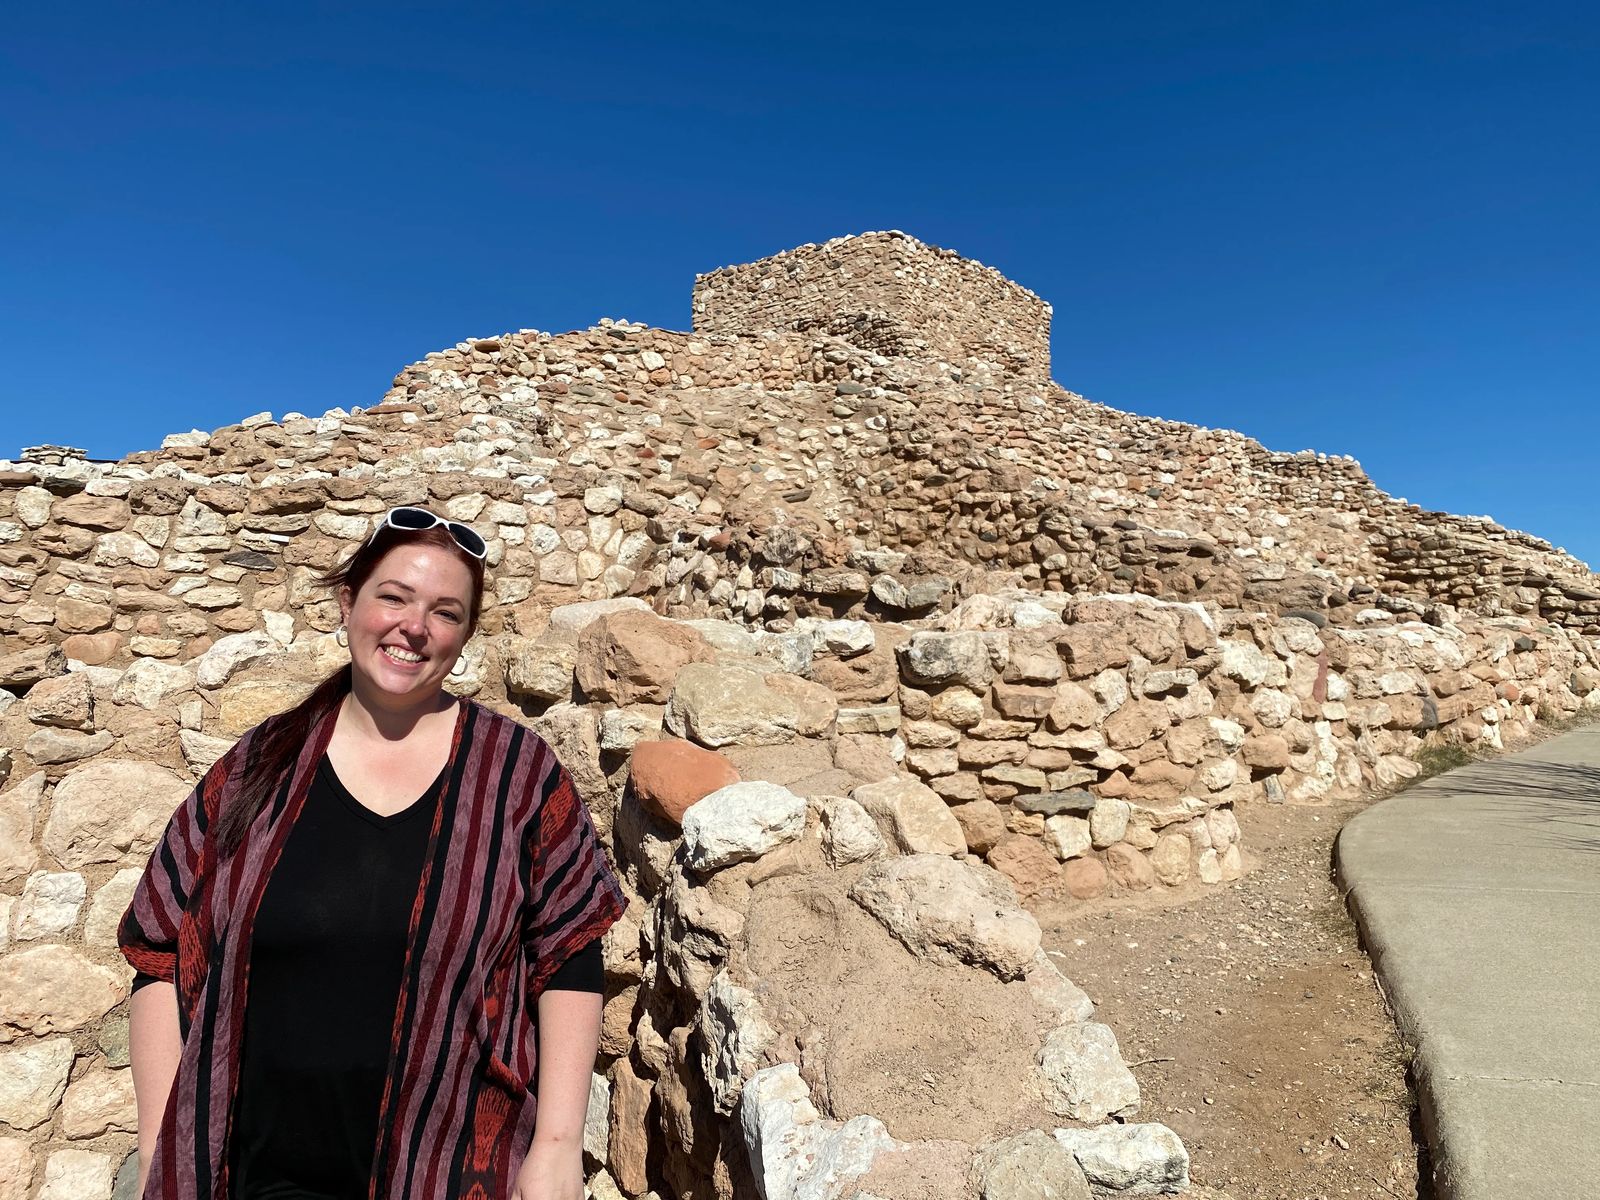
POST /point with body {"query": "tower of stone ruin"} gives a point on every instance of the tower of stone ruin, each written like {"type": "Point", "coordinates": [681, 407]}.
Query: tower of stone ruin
{"type": "Point", "coordinates": [885, 292]}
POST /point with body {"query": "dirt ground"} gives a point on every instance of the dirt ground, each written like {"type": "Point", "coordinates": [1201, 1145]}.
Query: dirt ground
{"type": "Point", "coordinates": [1253, 1022]}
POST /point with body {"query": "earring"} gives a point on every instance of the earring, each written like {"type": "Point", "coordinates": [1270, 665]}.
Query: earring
{"type": "Point", "coordinates": [460, 669]}
{"type": "Point", "coordinates": [341, 636]}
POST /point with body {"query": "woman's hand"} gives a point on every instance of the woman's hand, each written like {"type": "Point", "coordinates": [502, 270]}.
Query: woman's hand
{"type": "Point", "coordinates": [552, 1171]}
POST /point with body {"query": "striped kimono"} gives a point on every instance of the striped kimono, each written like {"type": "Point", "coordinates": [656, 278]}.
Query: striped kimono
{"type": "Point", "coordinates": [514, 882]}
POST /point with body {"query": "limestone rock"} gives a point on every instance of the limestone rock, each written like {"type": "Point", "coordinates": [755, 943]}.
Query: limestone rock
{"type": "Point", "coordinates": [99, 1102]}
{"type": "Point", "coordinates": [672, 774]}
{"type": "Point", "coordinates": [65, 702]}
{"type": "Point", "coordinates": [542, 668]}
{"type": "Point", "coordinates": [933, 658]}
{"type": "Point", "coordinates": [245, 705]}
{"type": "Point", "coordinates": [110, 902]}
{"type": "Point", "coordinates": [949, 911]}
{"type": "Point", "coordinates": [911, 815]}
{"type": "Point", "coordinates": [1084, 1075]}
{"type": "Point", "coordinates": [630, 657]}
{"type": "Point", "coordinates": [1108, 822]}
{"type": "Point", "coordinates": [1056, 992]}
{"type": "Point", "coordinates": [843, 638]}
{"type": "Point", "coordinates": [1170, 859]}
{"type": "Point", "coordinates": [596, 1121]}
{"type": "Point", "coordinates": [740, 822]}
{"type": "Point", "coordinates": [733, 1036]}
{"type": "Point", "coordinates": [1243, 662]}
{"type": "Point", "coordinates": [794, 1153]}
{"type": "Point", "coordinates": [16, 1169]}
{"type": "Point", "coordinates": [32, 1079]}
{"type": "Point", "coordinates": [111, 811]}
{"type": "Point", "coordinates": [1068, 837]}
{"type": "Point", "coordinates": [230, 655]}
{"type": "Point", "coordinates": [1028, 1166]}
{"type": "Point", "coordinates": [574, 618]}
{"type": "Point", "coordinates": [149, 683]}
{"type": "Point", "coordinates": [719, 705]}
{"type": "Point", "coordinates": [201, 750]}
{"type": "Point", "coordinates": [54, 989]}
{"type": "Point", "coordinates": [1135, 1159]}
{"type": "Point", "coordinates": [77, 1175]}
{"type": "Point", "coordinates": [849, 834]}
{"type": "Point", "coordinates": [22, 669]}
{"type": "Point", "coordinates": [50, 903]}
{"type": "Point", "coordinates": [19, 809]}
{"type": "Point", "coordinates": [52, 747]}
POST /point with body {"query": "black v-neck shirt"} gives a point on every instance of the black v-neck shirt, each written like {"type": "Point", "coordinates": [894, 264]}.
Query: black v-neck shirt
{"type": "Point", "coordinates": [326, 961]}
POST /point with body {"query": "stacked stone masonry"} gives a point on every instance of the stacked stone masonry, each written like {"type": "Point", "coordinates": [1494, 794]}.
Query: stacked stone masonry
{"type": "Point", "coordinates": [886, 292]}
{"type": "Point", "coordinates": [947, 625]}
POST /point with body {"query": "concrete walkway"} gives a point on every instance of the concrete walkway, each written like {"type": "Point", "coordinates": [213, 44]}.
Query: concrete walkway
{"type": "Point", "coordinates": [1478, 895]}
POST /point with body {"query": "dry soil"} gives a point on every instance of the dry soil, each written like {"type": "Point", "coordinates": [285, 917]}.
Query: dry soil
{"type": "Point", "coordinates": [1253, 1021]}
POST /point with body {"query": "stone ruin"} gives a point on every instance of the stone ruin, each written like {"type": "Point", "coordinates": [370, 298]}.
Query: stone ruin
{"type": "Point", "coordinates": [854, 656]}
{"type": "Point", "coordinates": [888, 293]}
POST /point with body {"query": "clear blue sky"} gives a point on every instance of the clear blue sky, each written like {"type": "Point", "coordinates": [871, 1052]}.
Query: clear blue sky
{"type": "Point", "coordinates": [1366, 228]}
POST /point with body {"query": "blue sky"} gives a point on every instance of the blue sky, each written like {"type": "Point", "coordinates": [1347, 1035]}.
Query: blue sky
{"type": "Point", "coordinates": [1365, 228]}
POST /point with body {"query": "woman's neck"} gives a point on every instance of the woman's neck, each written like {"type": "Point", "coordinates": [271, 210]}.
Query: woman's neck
{"type": "Point", "coordinates": [364, 714]}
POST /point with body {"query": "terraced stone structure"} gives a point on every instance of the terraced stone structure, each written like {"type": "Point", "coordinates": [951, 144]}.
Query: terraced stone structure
{"type": "Point", "coordinates": [885, 292]}
{"type": "Point", "coordinates": [822, 632]}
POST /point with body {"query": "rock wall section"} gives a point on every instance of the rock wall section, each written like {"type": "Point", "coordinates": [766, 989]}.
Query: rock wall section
{"type": "Point", "coordinates": [885, 292]}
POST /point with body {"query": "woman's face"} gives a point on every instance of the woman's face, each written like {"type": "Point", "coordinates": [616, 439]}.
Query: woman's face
{"type": "Point", "coordinates": [408, 623]}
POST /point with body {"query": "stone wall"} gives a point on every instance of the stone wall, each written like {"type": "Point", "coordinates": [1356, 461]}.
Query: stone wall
{"type": "Point", "coordinates": [886, 292]}
{"type": "Point", "coordinates": [942, 609]}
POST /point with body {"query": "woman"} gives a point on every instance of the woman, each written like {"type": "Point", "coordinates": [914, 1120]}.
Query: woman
{"type": "Point", "coordinates": [367, 944]}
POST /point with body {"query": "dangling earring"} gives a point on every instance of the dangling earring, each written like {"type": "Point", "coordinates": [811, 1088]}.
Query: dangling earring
{"type": "Point", "coordinates": [342, 637]}
{"type": "Point", "coordinates": [460, 669]}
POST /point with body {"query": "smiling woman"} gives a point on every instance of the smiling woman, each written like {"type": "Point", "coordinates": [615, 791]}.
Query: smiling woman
{"type": "Point", "coordinates": [368, 946]}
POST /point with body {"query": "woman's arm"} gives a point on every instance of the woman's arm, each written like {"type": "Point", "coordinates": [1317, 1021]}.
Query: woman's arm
{"type": "Point", "coordinates": [569, 1039]}
{"type": "Point", "coordinates": [154, 1048]}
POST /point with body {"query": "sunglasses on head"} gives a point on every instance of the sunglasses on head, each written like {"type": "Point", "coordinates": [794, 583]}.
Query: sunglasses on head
{"type": "Point", "coordinates": [416, 520]}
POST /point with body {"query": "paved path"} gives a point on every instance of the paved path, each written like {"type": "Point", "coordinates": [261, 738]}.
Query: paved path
{"type": "Point", "coordinates": [1478, 894]}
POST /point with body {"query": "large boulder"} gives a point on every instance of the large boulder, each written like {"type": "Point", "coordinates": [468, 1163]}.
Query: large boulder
{"type": "Point", "coordinates": [630, 656]}
{"type": "Point", "coordinates": [932, 658]}
{"type": "Point", "coordinates": [1136, 1159]}
{"type": "Point", "coordinates": [950, 911]}
{"type": "Point", "coordinates": [55, 989]}
{"type": "Point", "coordinates": [912, 815]}
{"type": "Point", "coordinates": [1084, 1075]}
{"type": "Point", "coordinates": [32, 1079]}
{"type": "Point", "coordinates": [1028, 1166]}
{"type": "Point", "coordinates": [720, 705]}
{"type": "Point", "coordinates": [740, 822]}
{"type": "Point", "coordinates": [111, 812]}
{"type": "Point", "coordinates": [797, 1154]}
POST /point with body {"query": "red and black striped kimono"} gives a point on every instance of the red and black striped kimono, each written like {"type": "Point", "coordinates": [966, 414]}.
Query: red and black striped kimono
{"type": "Point", "coordinates": [513, 884]}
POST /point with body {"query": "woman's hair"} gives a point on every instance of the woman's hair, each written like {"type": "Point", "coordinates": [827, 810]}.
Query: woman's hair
{"type": "Point", "coordinates": [278, 740]}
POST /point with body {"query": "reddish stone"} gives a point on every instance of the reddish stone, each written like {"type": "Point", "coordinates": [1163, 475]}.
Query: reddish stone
{"type": "Point", "coordinates": [1025, 862]}
{"type": "Point", "coordinates": [982, 822]}
{"type": "Point", "coordinates": [95, 649]}
{"type": "Point", "coordinates": [670, 775]}
{"type": "Point", "coordinates": [1085, 878]}
{"type": "Point", "coordinates": [1129, 868]}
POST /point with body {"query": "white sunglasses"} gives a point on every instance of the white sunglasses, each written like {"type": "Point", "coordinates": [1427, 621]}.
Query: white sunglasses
{"type": "Point", "coordinates": [415, 520]}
